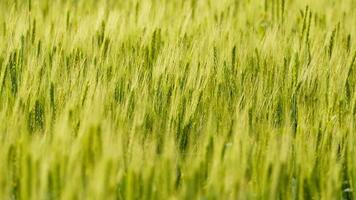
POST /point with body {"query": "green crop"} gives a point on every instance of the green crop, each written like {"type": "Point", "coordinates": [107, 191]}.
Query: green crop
{"type": "Point", "coordinates": [173, 99]}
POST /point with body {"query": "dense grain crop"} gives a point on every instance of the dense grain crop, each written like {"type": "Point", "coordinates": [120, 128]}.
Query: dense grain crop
{"type": "Point", "coordinates": [171, 99]}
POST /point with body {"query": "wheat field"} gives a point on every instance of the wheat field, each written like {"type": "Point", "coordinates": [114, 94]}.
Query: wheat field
{"type": "Point", "coordinates": [173, 99]}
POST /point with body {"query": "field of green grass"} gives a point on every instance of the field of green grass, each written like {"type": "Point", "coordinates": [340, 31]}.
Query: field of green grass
{"type": "Point", "coordinates": [177, 99]}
